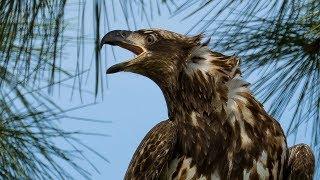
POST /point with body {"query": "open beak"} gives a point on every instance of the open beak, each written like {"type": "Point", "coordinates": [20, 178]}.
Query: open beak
{"type": "Point", "coordinates": [124, 39]}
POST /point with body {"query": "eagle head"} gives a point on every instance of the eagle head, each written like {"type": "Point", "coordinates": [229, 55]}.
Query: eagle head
{"type": "Point", "coordinates": [160, 54]}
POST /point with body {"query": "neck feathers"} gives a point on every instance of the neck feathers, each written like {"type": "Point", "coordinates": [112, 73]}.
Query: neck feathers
{"type": "Point", "coordinates": [216, 114]}
{"type": "Point", "coordinates": [206, 84]}
{"type": "Point", "coordinates": [221, 67]}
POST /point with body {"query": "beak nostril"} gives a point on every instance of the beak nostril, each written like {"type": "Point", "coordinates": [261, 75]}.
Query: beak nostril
{"type": "Point", "coordinates": [121, 33]}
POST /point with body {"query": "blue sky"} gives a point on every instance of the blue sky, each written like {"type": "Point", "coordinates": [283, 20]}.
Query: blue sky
{"type": "Point", "coordinates": [133, 103]}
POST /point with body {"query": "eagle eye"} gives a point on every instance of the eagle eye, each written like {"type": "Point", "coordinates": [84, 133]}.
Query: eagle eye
{"type": "Point", "coordinates": [151, 39]}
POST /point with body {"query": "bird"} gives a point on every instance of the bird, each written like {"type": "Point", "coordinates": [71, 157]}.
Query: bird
{"type": "Point", "coordinates": [216, 128]}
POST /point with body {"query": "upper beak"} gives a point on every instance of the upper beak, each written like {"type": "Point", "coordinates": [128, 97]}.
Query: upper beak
{"type": "Point", "coordinates": [115, 37]}
{"type": "Point", "coordinates": [123, 39]}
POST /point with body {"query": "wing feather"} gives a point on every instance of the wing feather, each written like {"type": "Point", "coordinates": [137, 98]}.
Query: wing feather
{"type": "Point", "coordinates": [153, 153]}
{"type": "Point", "coordinates": [301, 162]}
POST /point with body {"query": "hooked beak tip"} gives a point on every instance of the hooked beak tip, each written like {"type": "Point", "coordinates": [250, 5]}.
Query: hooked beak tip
{"type": "Point", "coordinates": [114, 37]}
{"type": "Point", "coordinates": [100, 46]}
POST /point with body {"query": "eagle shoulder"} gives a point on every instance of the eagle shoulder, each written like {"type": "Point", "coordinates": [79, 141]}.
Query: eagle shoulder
{"type": "Point", "coordinates": [301, 162]}
{"type": "Point", "coordinates": [154, 152]}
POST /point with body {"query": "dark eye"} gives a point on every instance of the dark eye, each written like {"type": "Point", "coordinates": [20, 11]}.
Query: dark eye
{"type": "Point", "coordinates": [151, 39]}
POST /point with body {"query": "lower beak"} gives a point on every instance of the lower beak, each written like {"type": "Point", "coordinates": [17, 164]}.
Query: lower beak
{"type": "Point", "coordinates": [117, 68]}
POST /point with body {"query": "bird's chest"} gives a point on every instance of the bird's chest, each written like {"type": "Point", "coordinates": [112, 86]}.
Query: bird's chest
{"type": "Point", "coordinates": [207, 142]}
{"type": "Point", "coordinates": [184, 168]}
{"type": "Point", "coordinates": [218, 150]}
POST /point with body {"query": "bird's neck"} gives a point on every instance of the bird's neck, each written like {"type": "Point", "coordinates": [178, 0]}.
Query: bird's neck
{"type": "Point", "coordinates": [198, 107]}
{"type": "Point", "coordinates": [196, 93]}
{"type": "Point", "coordinates": [209, 122]}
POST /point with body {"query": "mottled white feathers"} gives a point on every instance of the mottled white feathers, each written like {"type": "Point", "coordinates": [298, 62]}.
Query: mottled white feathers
{"type": "Point", "coordinates": [199, 59]}
{"type": "Point", "coordinates": [216, 64]}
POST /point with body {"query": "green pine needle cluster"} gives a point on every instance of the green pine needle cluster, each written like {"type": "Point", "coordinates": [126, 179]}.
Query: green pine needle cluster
{"type": "Point", "coordinates": [31, 39]}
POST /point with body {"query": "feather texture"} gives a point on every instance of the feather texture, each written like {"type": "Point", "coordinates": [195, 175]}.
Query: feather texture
{"type": "Point", "coordinates": [300, 163]}
{"type": "Point", "coordinates": [216, 128]}
{"type": "Point", "coordinates": [153, 153]}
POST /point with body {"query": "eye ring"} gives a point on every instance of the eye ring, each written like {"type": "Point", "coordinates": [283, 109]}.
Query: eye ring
{"type": "Point", "coordinates": [151, 39]}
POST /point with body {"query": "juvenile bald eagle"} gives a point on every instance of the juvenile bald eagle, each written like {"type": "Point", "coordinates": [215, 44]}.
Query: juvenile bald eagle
{"type": "Point", "coordinates": [216, 128]}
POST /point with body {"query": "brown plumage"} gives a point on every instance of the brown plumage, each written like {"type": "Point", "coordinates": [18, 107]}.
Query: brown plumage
{"type": "Point", "coordinates": [300, 163]}
{"type": "Point", "coordinates": [216, 128]}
